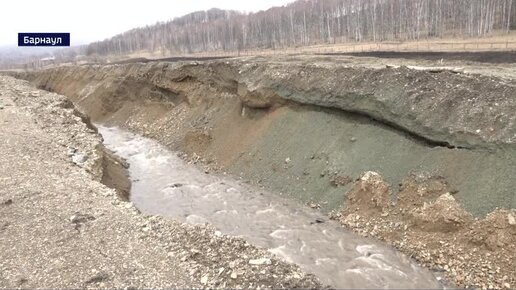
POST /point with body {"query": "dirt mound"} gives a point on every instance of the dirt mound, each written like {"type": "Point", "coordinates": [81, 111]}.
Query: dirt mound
{"type": "Point", "coordinates": [442, 215]}
{"type": "Point", "coordinates": [370, 195]}
{"type": "Point", "coordinates": [428, 223]}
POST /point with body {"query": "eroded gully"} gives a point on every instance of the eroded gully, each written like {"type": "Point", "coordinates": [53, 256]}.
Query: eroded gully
{"type": "Point", "coordinates": [163, 184]}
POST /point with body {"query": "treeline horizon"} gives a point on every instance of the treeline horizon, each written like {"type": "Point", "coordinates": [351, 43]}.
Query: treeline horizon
{"type": "Point", "coordinates": [310, 22]}
{"type": "Point", "coordinates": [300, 23]}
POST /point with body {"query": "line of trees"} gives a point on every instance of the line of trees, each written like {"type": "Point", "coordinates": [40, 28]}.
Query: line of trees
{"type": "Point", "coordinates": [307, 22]}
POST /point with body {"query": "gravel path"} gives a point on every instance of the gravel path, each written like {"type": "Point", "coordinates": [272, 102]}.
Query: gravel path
{"type": "Point", "coordinates": [60, 227]}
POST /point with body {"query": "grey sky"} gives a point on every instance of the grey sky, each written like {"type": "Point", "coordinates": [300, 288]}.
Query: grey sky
{"type": "Point", "coordinates": [93, 20]}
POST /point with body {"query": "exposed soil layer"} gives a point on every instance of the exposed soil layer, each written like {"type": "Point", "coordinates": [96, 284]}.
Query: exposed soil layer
{"type": "Point", "coordinates": [115, 175]}
{"type": "Point", "coordinates": [482, 56]}
{"type": "Point", "coordinates": [61, 228]}
{"type": "Point", "coordinates": [235, 113]}
{"type": "Point", "coordinates": [306, 126]}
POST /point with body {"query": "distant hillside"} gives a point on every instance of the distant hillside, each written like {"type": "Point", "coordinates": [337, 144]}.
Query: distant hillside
{"type": "Point", "coordinates": [14, 57]}
{"type": "Point", "coordinates": [307, 22]}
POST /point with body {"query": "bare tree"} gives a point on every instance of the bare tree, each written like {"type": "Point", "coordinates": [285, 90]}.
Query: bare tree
{"type": "Point", "coordinates": [315, 21]}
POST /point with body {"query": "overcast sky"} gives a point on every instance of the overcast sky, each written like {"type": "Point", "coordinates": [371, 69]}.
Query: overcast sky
{"type": "Point", "coordinates": [93, 20]}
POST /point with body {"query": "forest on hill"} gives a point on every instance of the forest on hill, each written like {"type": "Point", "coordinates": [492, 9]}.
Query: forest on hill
{"type": "Point", "coordinates": [308, 22]}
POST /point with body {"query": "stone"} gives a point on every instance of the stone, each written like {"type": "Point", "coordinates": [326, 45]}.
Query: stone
{"type": "Point", "coordinates": [260, 261]}
{"type": "Point", "coordinates": [74, 219]}
{"type": "Point", "coordinates": [443, 215]}
{"type": "Point", "coordinates": [79, 158]}
{"type": "Point", "coordinates": [81, 218]}
{"type": "Point", "coordinates": [204, 279]}
{"type": "Point", "coordinates": [511, 219]}
{"type": "Point", "coordinates": [175, 185]}
{"type": "Point", "coordinates": [7, 202]}
{"type": "Point", "coordinates": [71, 152]}
{"type": "Point", "coordinates": [341, 180]}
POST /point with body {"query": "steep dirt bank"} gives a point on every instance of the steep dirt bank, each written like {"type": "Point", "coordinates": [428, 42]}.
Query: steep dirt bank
{"type": "Point", "coordinates": [233, 113]}
{"type": "Point", "coordinates": [61, 228]}
{"type": "Point", "coordinates": [115, 175]}
{"type": "Point", "coordinates": [109, 169]}
{"type": "Point", "coordinates": [445, 109]}
{"type": "Point", "coordinates": [308, 127]}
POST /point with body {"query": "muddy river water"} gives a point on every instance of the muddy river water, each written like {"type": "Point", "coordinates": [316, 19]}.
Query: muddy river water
{"type": "Point", "coordinates": [163, 184]}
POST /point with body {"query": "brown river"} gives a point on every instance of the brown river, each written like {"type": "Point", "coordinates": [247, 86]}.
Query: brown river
{"type": "Point", "coordinates": [163, 184]}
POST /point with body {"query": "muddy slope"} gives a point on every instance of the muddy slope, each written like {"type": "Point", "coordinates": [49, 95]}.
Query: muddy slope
{"type": "Point", "coordinates": [303, 127]}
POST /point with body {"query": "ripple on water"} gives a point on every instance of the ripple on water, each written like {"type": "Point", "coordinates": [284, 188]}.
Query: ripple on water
{"type": "Point", "coordinates": [168, 186]}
